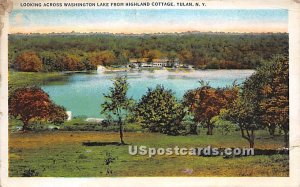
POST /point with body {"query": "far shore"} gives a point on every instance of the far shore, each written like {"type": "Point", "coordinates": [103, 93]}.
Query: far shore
{"type": "Point", "coordinates": [180, 69]}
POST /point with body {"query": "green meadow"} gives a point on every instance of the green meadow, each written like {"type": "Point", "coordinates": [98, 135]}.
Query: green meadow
{"type": "Point", "coordinates": [62, 154]}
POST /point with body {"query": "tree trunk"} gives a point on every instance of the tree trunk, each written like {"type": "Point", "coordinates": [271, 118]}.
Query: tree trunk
{"type": "Point", "coordinates": [286, 138]}
{"type": "Point", "coordinates": [193, 129]}
{"type": "Point", "coordinates": [25, 125]}
{"type": "Point", "coordinates": [209, 129]}
{"type": "Point", "coordinates": [252, 138]}
{"type": "Point", "coordinates": [271, 129]}
{"type": "Point", "coordinates": [121, 131]}
{"type": "Point", "coordinates": [249, 137]}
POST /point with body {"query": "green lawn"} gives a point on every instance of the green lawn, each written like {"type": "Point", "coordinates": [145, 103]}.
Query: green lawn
{"type": "Point", "coordinates": [21, 79]}
{"type": "Point", "coordinates": [61, 154]}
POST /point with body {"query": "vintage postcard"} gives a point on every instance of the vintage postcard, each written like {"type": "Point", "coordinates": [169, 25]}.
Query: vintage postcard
{"type": "Point", "coordinates": [149, 93]}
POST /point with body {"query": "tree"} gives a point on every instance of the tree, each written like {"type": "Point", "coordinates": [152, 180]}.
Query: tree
{"type": "Point", "coordinates": [28, 61]}
{"type": "Point", "coordinates": [172, 56]}
{"type": "Point", "coordinates": [121, 59]}
{"type": "Point", "coordinates": [160, 111]}
{"type": "Point", "coordinates": [206, 102]}
{"type": "Point", "coordinates": [33, 103]}
{"type": "Point", "coordinates": [72, 63]}
{"type": "Point", "coordinates": [105, 58]}
{"type": "Point", "coordinates": [268, 91]}
{"type": "Point", "coordinates": [242, 112]}
{"type": "Point", "coordinates": [153, 54]}
{"type": "Point", "coordinates": [274, 105]}
{"type": "Point", "coordinates": [263, 101]}
{"type": "Point", "coordinates": [50, 61]}
{"type": "Point", "coordinates": [117, 104]}
{"type": "Point", "coordinates": [58, 114]}
{"type": "Point", "coordinates": [185, 57]}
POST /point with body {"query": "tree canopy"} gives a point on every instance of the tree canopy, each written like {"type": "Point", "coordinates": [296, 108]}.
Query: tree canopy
{"type": "Point", "coordinates": [202, 50]}
{"type": "Point", "coordinates": [159, 111]}
{"type": "Point", "coordinates": [32, 103]}
{"type": "Point", "coordinates": [28, 61]}
{"type": "Point", "coordinates": [263, 100]}
{"type": "Point", "coordinates": [206, 102]}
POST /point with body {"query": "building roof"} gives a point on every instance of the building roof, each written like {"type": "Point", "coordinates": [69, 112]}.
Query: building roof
{"type": "Point", "coordinates": [160, 60]}
{"type": "Point", "coordinates": [138, 60]}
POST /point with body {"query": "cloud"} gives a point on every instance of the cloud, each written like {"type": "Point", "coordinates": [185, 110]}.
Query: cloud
{"type": "Point", "coordinates": [19, 19]}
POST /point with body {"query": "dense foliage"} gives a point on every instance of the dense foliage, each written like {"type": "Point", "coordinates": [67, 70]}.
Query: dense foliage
{"type": "Point", "coordinates": [264, 100]}
{"type": "Point", "coordinates": [34, 104]}
{"type": "Point", "coordinates": [28, 61]}
{"type": "Point", "coordinates": [60, 52]}
{"type": "Point", "coordinates": [160, 111]}
{"type": "Point", "coordinates": [206, 102]}
{"type": "Point", "coordinates": [274, 105]}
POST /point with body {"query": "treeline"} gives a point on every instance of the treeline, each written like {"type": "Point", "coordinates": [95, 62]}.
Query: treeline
{"type": "Point", "coordinates": [202, 50]}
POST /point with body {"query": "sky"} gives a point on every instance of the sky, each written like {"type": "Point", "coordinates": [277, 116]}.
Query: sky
{"type": "Point", "coordinates": [148, 21]}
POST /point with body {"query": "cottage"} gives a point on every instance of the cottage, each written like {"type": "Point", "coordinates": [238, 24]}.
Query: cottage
{"type": "Point", "coordinates": [139, 62]}
{"type": "Point", "coordinates": [160, 62]}
{"type": "Point", "coordinates": [174, 63]}
{"type": "Point", "coordinates": [157, 62]}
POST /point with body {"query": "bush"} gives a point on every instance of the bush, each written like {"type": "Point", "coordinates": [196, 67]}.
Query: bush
{"type": "Point", "coordinates": [191, 127]}
{"type": "Point", "coordinates": [82, 156]}
{"type": "Point", "coordinates": [226, 127]}
{"type": "Point", "coordinates": [30, 173]}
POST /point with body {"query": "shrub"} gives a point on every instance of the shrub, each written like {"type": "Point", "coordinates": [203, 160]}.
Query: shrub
{"type": "Point", "coordinates": [30, 173]}
{"type": "Point", "coordinates": [225, 126]}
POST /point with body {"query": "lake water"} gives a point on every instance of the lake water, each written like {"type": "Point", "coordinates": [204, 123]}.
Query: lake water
{"type": "Point", "coordinates": [82, 94]}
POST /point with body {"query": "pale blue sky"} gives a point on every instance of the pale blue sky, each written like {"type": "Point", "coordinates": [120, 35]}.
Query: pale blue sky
{"type": "Point", "coordinates": [148, 21]}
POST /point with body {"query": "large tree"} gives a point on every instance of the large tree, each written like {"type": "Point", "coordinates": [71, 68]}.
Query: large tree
{"type": "Point", "coordinates": [264, 100]}
{"type": "Point", "coordinates": [159, 111]}
{"type": "Point", "coordinates": [274, 103]}
{"type": "Point", "coordinates": [268, 91]}
{"type": "Point", "coordinates": [117, 104]}
{"type": "Point", "coordinates": [206, 102]}
{"type": "Point", "coordinates": [242, 113]}
{"type": "Point", "coordinates": [28, 61]}
{"type": "Point", "coordinates": [33, 103]}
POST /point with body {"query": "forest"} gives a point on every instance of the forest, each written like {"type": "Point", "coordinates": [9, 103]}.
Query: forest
{"type": "Point", "coordinates": [77, 52]}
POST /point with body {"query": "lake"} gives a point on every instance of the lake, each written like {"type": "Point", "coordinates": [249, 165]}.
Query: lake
{"type": "Point", "coordinates": [82, 94]}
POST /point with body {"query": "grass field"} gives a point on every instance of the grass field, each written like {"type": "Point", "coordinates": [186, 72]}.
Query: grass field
{"type": "Point", "coordinates": [62, 154]}
{"type": "Point", "coordinates": [21, 79]}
